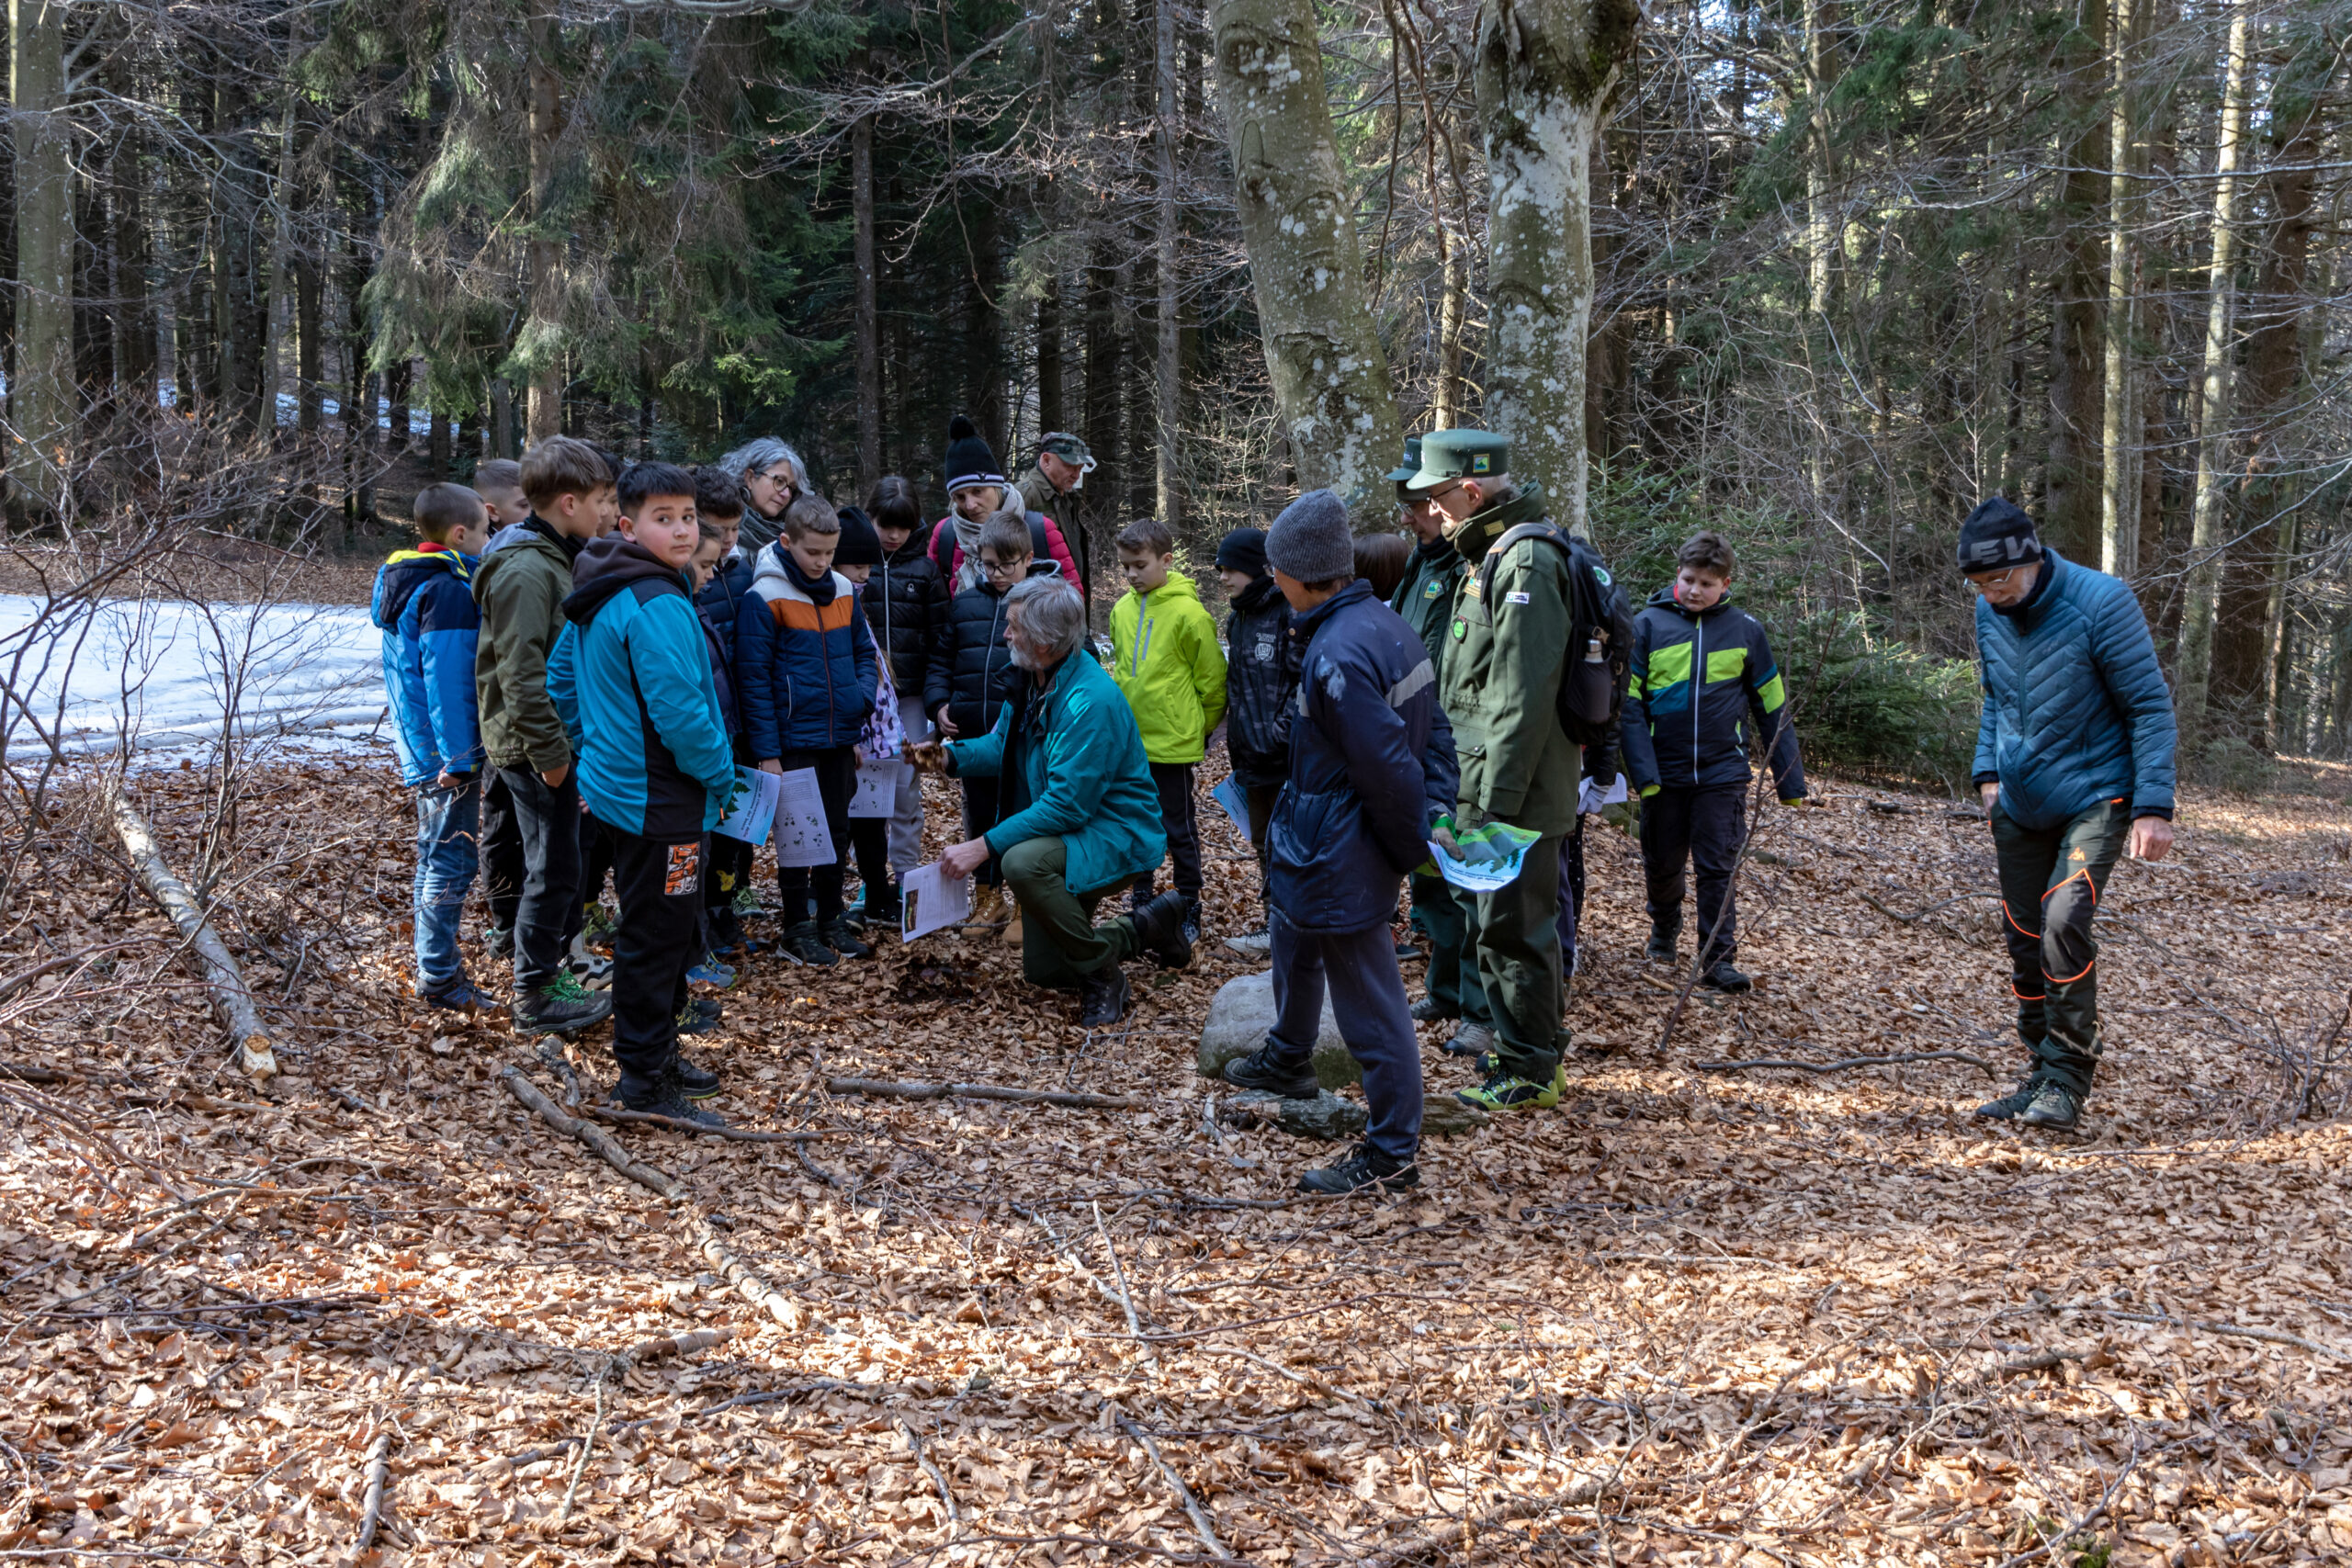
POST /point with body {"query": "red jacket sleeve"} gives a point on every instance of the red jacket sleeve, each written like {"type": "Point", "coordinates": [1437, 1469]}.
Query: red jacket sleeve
{"type": "Point", "coordinates": [1059, 547]}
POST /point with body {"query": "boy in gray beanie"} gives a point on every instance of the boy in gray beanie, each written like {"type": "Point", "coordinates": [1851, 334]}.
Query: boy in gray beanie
{"type": "Point", "coordinates": [1311, 540]}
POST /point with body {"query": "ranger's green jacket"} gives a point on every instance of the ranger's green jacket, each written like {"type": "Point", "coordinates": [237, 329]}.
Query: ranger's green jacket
{"type": "Point", "coordinates": [1426, 596]}
{"type": "Point", "coordinates": [1501, 676]}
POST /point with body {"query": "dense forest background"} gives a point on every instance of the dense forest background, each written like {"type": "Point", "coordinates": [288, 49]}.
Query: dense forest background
{"type": "Point", "coordinates": [1856, 264]}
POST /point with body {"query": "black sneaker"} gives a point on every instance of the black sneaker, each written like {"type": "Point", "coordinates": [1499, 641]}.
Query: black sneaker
{"type": "Point", "coordinates": [1429, 1010]}
{"type": "Point", "coordinates": [664, 1094]}
{"type": "Point", "coordinates": [1164, 928]}
{"type": "Point", "coordinates": [803, 943]}
{"type": "Point", "coordinates": [726, 938]}
{"type": "Point", "coordinates": [459, 994]}
{"type": "Point", "coordinates": [693, 1020]}
{"type": "Point", "coordinates": [882, 913]}
{"type": "Point", "coordinates": [1724, 977]}
{"type": "Point", "coordinates": [1263, 1068]}
{"type": "Point", "coordinates": [1470, 1040]}
{"type": "Point", "coordinates": [1102, 998]}
{"type": "Point", "coordinates": [2007, 1108]}
{"type": "Point", "coordinates": [694, 1082]}
{"type": "Point", "coordinates": [844, 942]}
{"type": "Point", "coordinates": [1661, 948]}
{"type": "Point", "coordinates": [563, 1008]}
{"type": "Point", "coordinates": [499, 941]}
{"type": "Point", "coordinates": [1364, 1168]}
{"type": "Point", "coordinates": [2054, 1106]}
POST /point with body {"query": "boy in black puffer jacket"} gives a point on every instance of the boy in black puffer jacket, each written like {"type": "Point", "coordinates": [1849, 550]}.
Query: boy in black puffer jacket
{"type": "Point", "coordinates": [906, 608]}
{"type": "Point", "coordinates": [1260, 691]}
{"type": "Point", "coordinates": [972, 673]}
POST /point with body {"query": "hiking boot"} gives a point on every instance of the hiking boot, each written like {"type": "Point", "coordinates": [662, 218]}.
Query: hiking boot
{"type": "Point", "coordinates": [499, 941]}
{"type": "Point", "coordinates": [663, 1095]}
{"type": "Point", "coordinates": [844, 942]}
{"type": "Point", "coordinates": [1502, 1092]}
{"type": "Point", "coordinates": [1364, 1168]}
{"type": "Point", "coordinates": [693, 1020]}
{"type": "Point", "coordinates": [1193, 923]}
{"type": "Point", "coordinates": [710, 972]}
{"type": "Point", "coordinates": [695, 1083]}
{"type": "Point", "coordinates": [1163, 929]}
{"type": "Point", "coordinates": [987, 907]}
{"type": "Point", "coordinates": [459, 994]}
{"type": "Point", "coordinates": [885, 912]}
{"type": "Point", "coordinates": [594, 971]}
{"type": "Point", "coordinates": [747, 905]}
{"type": "Point", "coordinates": [1102, 998]}
{"type": "Point", "coordinates": [1264, 1068]}
{"type": "Point", "coordinates": [1469, 1040]}
{"type": "Point", "coordinates": [1252, 943]}
{"type": "Point", "coordinates": [1661, 947]}
{"type": "Point", "coordinates": [1724, 977]}
{"type": "Point", "coordinates": [598, 926]}
{"type": "Point", "coordinates": [726, 938]}
{"type": "Point", "coordinates": [563, 1008]}
{"type": "Point", "coordinates": [1429, 1010]}
{"type": "Point", "coordinates": [2007, 1108]}
{"type": "Point", "coordinates": [804, 945]}
{"type": "Point", "coordinates": [2054, 1106]}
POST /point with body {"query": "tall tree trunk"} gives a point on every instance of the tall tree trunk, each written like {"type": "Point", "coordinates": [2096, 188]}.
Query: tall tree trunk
{"type": "Point", "coordinates": [2193, 674]}
{"type": "Point", "coordinates": [135, 339]}
{"type": "Point", "coordinates": [1166, 385]}
{"type": "Point", "coordinates": [1544, 71]}
{"type": "Point", "coordinates": [2119, 472]}
{"type": "Point", "coordinates": [1049, 349]}
{"type": "Point", "coordinates": [1609, 349]}
{"type": "Point", "coordinates": [397, 376]}
{"type": "Point", "coordinates": [868, 325]}
{"type": "Point", "coordinates": [40, 390]}
{"type": "Point", "coordinates": [240, 283]}
{"type": "Point", "coordinates": [1323, 354]}
{"type": "Point", "coordinates": [542, 347]}
{"type": "Point", "coordinates": [1104, 368]}
{"type": "Point", "coordinates": [310, 340]}
{"type": "Point", "coordinates": [2072, 489]}
{"type": "Point", "coordinates": [501, 417]}
{"type": "Point", "coordinates": [359, 394]}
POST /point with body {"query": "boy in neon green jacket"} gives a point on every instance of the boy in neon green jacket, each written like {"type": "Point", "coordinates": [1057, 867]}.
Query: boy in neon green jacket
{"type": "Point", "coordinates": [1165, 657]}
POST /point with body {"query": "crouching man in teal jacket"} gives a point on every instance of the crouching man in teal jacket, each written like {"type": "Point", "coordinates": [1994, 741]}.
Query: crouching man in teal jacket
{"type": "Point", "coordinates": [1078, 816]}
{"type": "Point", "coordinates": [2075, 761]}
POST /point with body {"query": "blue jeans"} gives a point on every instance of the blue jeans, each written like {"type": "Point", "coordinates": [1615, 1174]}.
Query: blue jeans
{"type": "Point", "coordinates": [447, 854]}
{"type": "Point", "coordinates": [1359, 970]}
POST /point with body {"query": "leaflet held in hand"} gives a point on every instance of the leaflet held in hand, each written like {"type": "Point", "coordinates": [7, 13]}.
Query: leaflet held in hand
{"type": "Point", "coordinates": [801, 836]}
{"type": "Point", "coordinates": [930, 900]}
{"type": "Point", "coordinates": [754, 813]}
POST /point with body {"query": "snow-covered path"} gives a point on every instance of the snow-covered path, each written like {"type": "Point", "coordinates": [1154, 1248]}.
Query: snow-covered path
{"type": "Point", "coordinates": [162, 672]}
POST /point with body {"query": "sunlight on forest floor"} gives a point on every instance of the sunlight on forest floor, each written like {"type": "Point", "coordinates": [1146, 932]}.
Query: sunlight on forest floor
{"type": "Point", "coordinates": [1694, 1317]}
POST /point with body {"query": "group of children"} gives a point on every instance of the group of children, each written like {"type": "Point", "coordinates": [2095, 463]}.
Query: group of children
{"type": "Point", "coordinates": [580, 656]}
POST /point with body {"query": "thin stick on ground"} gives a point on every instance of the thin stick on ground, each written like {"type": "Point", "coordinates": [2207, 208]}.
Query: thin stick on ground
{"type": "Point", "coordinates": [371, 1511]}
{"type": "Point", "coordinates": [675, 1124]}
{"type": "Point", "coordinates": [1201, 1526]}
{"type": "Point", "coordinates": [877, 1089]}
{"type": "Point", "coordinates": [587, 1446]}
{"type": "Point", "coordinates": [1442, 1544]}
{"type": "Point", "coordinates": [954, 1518]}
{"type": "Point", "coordinates": [1126, 1299]}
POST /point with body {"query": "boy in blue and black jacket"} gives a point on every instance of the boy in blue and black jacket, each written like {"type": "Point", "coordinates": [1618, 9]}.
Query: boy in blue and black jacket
{"type": "Point", "coordinates": [806, 678]}
{"type": "Point", "coordinates": [1703, 671]}
{"type": "Point", "coordinates": [424, 604]}
{"type": "Point", "coordinates": [655, 768]}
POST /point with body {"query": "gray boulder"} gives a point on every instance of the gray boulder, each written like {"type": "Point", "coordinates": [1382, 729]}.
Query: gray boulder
{"type": "Point", "coordinates": [1238, 1021]}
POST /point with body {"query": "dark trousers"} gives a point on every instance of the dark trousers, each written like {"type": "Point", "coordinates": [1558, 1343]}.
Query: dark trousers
{"type": "Point", "coordinates": [836, 772]}
{"type": "Point", "coordinates": [729, 868]}
{"type": "Point", "coordinates": [1571, 894]}
{"type": "Point", "coordinates": [1702, 826]}
{"type": "Point", "coordinates": [1174, 782]}
{"type": "Point", "coordinates": [979, 816]}
{"type": "Point", "coordinates": [1517, 930]}
{"type": "Point", "coordinates": [869, 839]}
{"type": "Point", "coordinates": [1060, 943]}
{"type": "Point", "coordinates": [2050, 882]}
{"type": "Point", "coordinates": [547, 825]}
{"type": "Point", "coordinates": [1447, 915]}
{"type": "Point", "coordinates": [1260, 799]}
{"type": "Point", "coordinates": [660, 885]}
{"type": "Point", "coordinates": [502, 851]}
{"type": "Point", "coordinates": [1359, 970]}
{"type": "Point", "coordinates": [595, 862]}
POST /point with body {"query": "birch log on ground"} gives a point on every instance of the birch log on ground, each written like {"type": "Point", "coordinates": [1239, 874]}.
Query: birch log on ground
{"type": "Point", "coordinates": [1545, 68]}
{"type": "Point", "coordinates": [232, 998]}
{"type": "Point", "coordinates": [1323, 353]}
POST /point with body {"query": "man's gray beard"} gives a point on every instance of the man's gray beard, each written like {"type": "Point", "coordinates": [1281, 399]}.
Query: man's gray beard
{"type": "Point", "coordinates": [1023, 659]}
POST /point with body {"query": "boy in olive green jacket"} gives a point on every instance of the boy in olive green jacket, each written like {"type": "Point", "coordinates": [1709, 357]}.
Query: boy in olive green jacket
{"type": "Point", "coordinates": [1165, 658]}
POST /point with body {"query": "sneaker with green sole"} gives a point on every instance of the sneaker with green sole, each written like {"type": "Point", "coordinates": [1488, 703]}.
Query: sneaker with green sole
{"type": "Point", "coordinates": [1502, 1092]}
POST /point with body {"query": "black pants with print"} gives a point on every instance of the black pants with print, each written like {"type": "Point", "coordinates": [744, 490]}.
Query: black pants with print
{"type": "Point", "coordinates": [660, 883]}
{"type": "Point", "coordinates": [2051, 880]}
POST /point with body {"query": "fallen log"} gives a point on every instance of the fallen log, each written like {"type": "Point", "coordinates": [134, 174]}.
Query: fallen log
{"type": "Point", "coordinates": [881, 1090]}
{"type": "Point", "coordinates": [655, 1119]}
{"type": "Point", "coordinates": [231, 997]}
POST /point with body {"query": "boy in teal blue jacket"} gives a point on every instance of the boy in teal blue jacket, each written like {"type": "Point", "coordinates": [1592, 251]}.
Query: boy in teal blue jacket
{"type": "Point", "coordinates": [655, 768]}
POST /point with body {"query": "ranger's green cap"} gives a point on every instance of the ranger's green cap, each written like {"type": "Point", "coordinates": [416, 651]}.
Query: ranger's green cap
{"type": "Point", "coordinates": [1450, 455]}
{"type": "Point", "coordinates": [1412, 464]}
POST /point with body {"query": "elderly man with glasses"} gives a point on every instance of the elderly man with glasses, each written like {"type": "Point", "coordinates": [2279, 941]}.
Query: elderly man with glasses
{"type": "Point", "coordinates": [2074, 761]}
{"type": "Point", "coordinates": [1078, 816]}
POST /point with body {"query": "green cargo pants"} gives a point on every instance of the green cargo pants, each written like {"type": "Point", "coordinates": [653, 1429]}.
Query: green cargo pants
{"type": "Point", "coordinates": [1446, 913]}
{"type": "Point", "coordinates": [1517, 935]}
{"type": "Point", "coordinates": [2050, 881]}
{"type": "Point", "coordinates": [1060, 943]}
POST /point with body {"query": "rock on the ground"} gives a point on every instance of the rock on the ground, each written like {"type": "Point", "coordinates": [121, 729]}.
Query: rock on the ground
{"type": "Point", "coordinates": [1442, 1116]}
{"type": "Point", "coordinates": [1238, 1021]}
{"type": "Point", "coordinates": [1332, 1117]}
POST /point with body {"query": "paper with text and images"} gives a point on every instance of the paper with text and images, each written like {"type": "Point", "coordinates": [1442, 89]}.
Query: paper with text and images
{"type": "Point", "coordinates": [1236, 802]}
{"type": "Point", "coordinates": [878, 788]}
{"type": "Point", "coordinates": [801, 836]}
{"type": "Point", "coordinates": [754, 813]}
{"type": "Point", "coordinates": [1492, 856]}
{"type": "Point", "coordinates": [931, 899]}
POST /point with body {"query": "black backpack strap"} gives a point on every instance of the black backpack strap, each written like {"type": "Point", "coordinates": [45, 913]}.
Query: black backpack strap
{"type": "Point", "coordinates": [1511, 535]}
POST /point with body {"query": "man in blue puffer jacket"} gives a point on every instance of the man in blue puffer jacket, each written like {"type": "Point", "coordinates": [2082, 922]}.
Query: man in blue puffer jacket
{"type": "Point", "coordinates": [2075, 761]}
{"type": "Point", "coordinates": [1371, 767]}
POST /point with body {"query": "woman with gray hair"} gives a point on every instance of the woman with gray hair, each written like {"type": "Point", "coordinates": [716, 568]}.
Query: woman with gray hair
{"type": "Point", "coordinates": [770, 474]}
{"type": "Point", "coordinates": [1078, 816]}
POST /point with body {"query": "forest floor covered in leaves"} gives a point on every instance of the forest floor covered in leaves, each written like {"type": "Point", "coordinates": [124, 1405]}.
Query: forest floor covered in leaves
{"type": "Point", "coordinates": [1698, 1315]}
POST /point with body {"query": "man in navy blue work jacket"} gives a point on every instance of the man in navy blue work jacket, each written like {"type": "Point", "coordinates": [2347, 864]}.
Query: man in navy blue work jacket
{"type": "Point", "coordinates": [2075, 761]}
{"type": "Point", "coordinates": [1371, 767]}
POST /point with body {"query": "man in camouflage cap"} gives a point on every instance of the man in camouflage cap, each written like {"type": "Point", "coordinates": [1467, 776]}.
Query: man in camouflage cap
{"type": "Point", "coordinates": [1063, 462]}
{"type": "Point", "coordinates": [1505, 646]}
